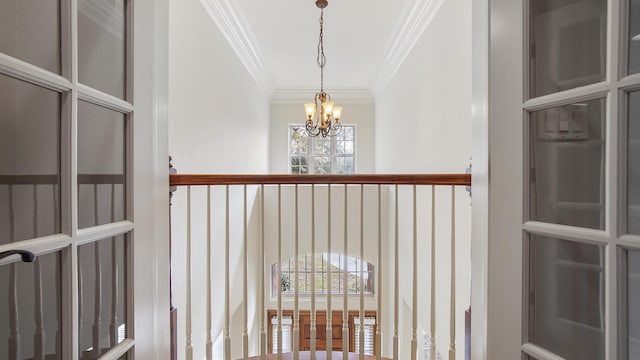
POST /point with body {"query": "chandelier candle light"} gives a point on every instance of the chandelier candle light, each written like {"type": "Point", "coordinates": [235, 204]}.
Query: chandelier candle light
{"type": "Point", "coordinates": [322, 108]}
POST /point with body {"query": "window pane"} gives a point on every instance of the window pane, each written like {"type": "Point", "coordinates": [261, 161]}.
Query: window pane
{"type": "Point", "coordinates": [322, 165]}
{"type": "Point", "coordinates": [633, 304]}
{"type": "Point", "coordinates": [633, 165]}
{"type": "Point", "coordinates": [568, 44]}
{"type": "Point", "coordinates": [101, 45]}
{"type": "Point", "coordinates": [299, 141]}
{"type": "Point", "coordinates": [307, 274]}
{"type": "Point", "coordinates": [566, 306]}
{"type": "Point", "coordinates": [321, 146]}
{"type": "Point", "coordinates": [346, 134]}
{"type": "Point", "coordinates": [101, 165]}
{"type": "Point", "coordinates": [344, 165]}
{"type": "Point", "coordinates": [30, 31]}
{"type": "Point", "coordinates": [634, 36]}
{"type": "Point", "coordinates": [567, 159]}
{"type": "Point", "coordinates": [30, 157]}
{"type": "Point", "coordinates": [102, 282]}
{"type": "Point", "coordinates": [20, 306]}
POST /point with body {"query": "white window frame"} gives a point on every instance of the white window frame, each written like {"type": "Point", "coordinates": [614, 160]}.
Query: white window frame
{"type": "Point", "coordinates": [332, 155]}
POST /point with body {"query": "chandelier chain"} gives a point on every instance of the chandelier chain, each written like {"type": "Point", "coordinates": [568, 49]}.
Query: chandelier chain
{"type": "Point", "coordinates": [321, 59]}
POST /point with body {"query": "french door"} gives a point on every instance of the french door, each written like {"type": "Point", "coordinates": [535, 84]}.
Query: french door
{"type": "Point", "coordinates": [576, 127]}
{"type": "Point", "coordinates": [67, 120]}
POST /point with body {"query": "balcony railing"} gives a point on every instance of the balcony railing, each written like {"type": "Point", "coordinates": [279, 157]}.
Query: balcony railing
{"type": "Point", "coordinates": [256, 219]}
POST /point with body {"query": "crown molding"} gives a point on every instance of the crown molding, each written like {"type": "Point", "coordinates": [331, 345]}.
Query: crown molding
{"type": "Point", "coordinates": [418, 16]}
{"type": "Point", "coordinates": [341, 96]}
{"type": "Point", "coordinates": [233, 26]}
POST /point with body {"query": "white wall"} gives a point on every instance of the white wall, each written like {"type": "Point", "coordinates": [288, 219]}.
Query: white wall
{"type": "Point", "coordinates": [423, 125]}
{"type": "Point", "coordinates": [285, 113]}
{"type": "Point", "coordinates": [218, 123]}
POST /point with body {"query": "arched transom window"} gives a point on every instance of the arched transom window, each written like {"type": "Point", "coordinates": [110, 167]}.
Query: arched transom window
{"type": "Point", "coordinates": [338, 263]}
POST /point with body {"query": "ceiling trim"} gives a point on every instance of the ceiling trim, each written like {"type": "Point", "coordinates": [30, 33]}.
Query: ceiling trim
{"type": "Point", "coordinates": [233, 26]}
{"type": "Point", "coordinates": [418, 16]}
{"type": "Point", "coordinates": [302, 95]}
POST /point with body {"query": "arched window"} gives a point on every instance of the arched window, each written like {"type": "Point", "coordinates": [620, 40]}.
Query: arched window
{"type": "Point", "coordinates": [306, 274]}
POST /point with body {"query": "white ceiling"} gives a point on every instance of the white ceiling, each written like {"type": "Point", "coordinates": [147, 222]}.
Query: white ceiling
{"type": "Point", "coordinates": [366, 42]}
{"type": "Point", "coordinates": [359, 35]}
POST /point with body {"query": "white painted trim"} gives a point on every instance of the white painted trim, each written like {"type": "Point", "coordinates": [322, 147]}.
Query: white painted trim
{"type": "Point", "coordinates": [339, 96]}
{"type": "Point", "coordinates": [539, 353]}
{"type": "Point", "coordinates": [39, 246]}
{"type": "Point", "coordinates": [415, 21]}
{"type": "Point", "coordinates": [575, 233]}
{"type": "Point", "coordinates": [231, 22]}
{"type": "Point", "coordinates": [480, 178]}
{"type": "Point", "coordinates": [103, 231]}
{"type": "Point", "coordinates": [33, 74]}
{"type": "Point", "coordinates": [98, 97]}
{"type": "Point", "coordinates": [117, 351]}
{"type": "Point", "coordinates": [149, 243]}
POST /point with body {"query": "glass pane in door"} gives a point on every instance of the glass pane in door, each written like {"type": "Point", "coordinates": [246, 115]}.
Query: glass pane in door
{"type": "Point", "coordinates": [567, 44]}
{"type": "Point", "coordinates": [566, 297]}
{"type": "Point", "coordinates": [30, 31]}
{"type": "Point", "coordinates": [633, 165]}
{"type": "Point", "coordinates": [567, 159]}
{"type": "Point", "coordinates": [633, 39]}
{"type": "Point", "coordinates": [30, 158]}
{"type": "Point", "coordinates": [101, 165]}
{"type": "Point", "coordinates": [633, 305]}
{"type": "Point", "coordinates": [102, 286]}
{"type": "Point", "coordinates": [102, 45]}
{"type": "Point", "coordinates": [31, 309]}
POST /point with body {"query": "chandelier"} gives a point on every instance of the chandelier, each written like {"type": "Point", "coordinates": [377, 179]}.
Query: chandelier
{"type": "Point", "coordinates": [323, 118]}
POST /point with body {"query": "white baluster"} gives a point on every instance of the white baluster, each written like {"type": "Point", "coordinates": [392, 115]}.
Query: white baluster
{"type": "Point", "coordinates": [263, 323]}
{"type": "Point", "coordinates": [14, 319]}
{"type": "Point", "coordinates": [361, 263]}
{"type": "Point", "coordinates": [396, 282]}
{"type": "Point", "coordinates": [313, 276]}
{"type": "Point", "coordinates": [296, 305]}
{"type": "Point", "coordinates": [414, 328]}
{"type": "Point", "coordinates": [379, 314]}
{"type": "Point", "coordinates": [345, 282]}
{"type": "Point", "coordinates": [113, 327]}
{"type": "Point", "coordinates": [227, 314]}
{"type": "Point", "coordinates": [188, 345]}
{"type": "Point", "coordinates": [452, 320]}
{"type": "Point", "coordinates": [38, 339]}
{"type": "Point", "coordinates": [432, 348]}
{"type": "Point", "coordinates": [97, 309]}
{"type": "Point", "coordinates": [245, 330]}
{"type": "Point", "coordinates": [56, 226]}
{"type": "Point", "coordinates": [329, 315]}
{"type": "Point", "coordinates": [209, 341]}
{"type": "Point", "coordinates": [279, 326]}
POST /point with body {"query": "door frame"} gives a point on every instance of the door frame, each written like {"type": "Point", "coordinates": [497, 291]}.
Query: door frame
{"type": "Point", "coordinates": [497, 251]}
{"type": "Point", "coordinates": [151, 180]}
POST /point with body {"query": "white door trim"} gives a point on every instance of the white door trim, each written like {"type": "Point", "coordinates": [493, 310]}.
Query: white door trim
{"type": "Point", "coordinates": [151, 179]}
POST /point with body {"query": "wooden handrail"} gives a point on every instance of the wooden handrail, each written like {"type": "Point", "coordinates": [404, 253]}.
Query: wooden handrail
{"type": "Point", "coordinates": [383, 179]}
